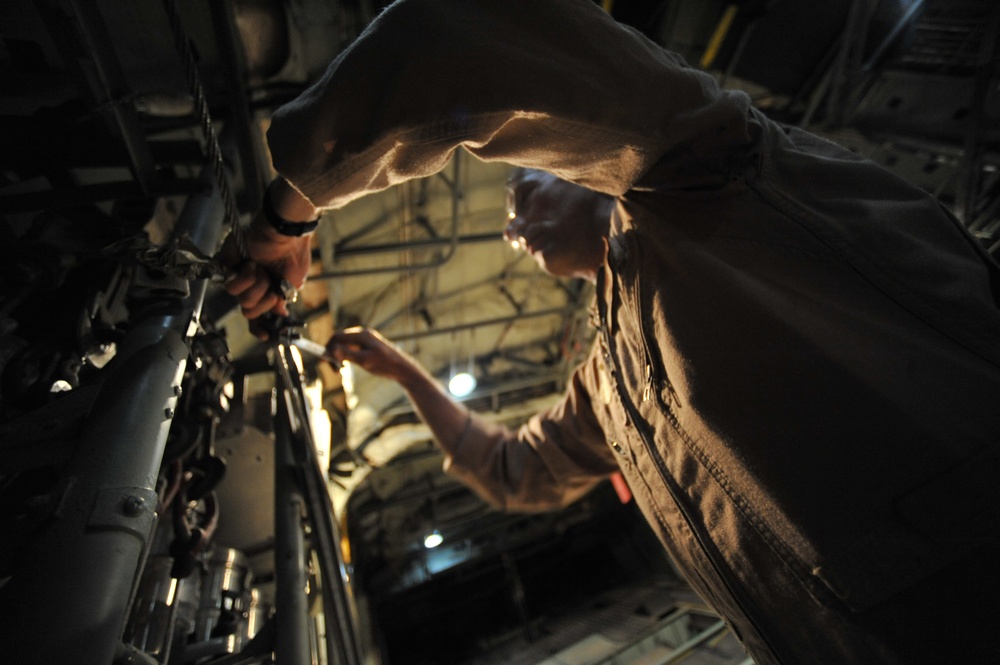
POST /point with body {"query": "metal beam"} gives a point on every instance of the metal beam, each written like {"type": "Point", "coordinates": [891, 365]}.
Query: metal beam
{"type": "Point", "coordinates": [560, 311]}
{"type": "Point", "coordinates": [427, 243]}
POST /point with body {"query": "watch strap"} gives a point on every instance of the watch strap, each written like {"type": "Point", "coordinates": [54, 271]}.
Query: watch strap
{"type": "Point", "coordinates": [282, 225]}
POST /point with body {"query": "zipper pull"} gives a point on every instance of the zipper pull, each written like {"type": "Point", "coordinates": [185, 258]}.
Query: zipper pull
{"type": "Point", "coordinates": [649, 383]}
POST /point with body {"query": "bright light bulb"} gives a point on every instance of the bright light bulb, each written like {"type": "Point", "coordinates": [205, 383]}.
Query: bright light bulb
{"type": "Point", "coordinates": [462, 384]}
{"type": "Point", "coordinates": [433, 539]}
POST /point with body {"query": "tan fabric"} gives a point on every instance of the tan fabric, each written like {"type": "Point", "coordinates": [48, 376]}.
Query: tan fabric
{"type": "Point", "coordinates": [521, 81]}
{"type": "Point", "coordinates": [552, 460]}
{"type": "Point", "coordinates": [800, 353]}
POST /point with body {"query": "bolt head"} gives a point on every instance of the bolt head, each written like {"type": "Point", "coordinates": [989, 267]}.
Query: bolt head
{"type": "Point", "coordinates": [133, 506]}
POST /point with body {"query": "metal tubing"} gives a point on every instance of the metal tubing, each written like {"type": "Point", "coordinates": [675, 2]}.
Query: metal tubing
{"type": "Point", "coordinates": [451, 242]}
{"type": "Point", "coordinates": [69, 600]}
{"type": "Point", "coordinates": [427, 243]}
{"type": "Point", "coordinates": [563, 311]}
{"type": "Point", "coordinates": [339, 614]}
{"type": "Point", "coordinates": [495, 392]}
{"type": "Point", "coordinates": [291, 643]}
{"type": "Point", "coordinates": [441, 296]}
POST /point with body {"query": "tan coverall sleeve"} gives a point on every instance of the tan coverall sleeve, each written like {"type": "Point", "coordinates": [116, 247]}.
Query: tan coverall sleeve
{"type": "Point", "coordinates": [552, 460]}
{"type": "Point", "coordinates": [555, 85]}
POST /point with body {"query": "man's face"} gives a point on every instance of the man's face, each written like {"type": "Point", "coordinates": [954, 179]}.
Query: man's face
{"type": "Point", "coordinates": [560, 224]}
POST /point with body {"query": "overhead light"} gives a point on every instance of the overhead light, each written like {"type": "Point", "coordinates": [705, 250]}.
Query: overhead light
{"type": "Point", "coordinates": [433, 539]}
{"type": "Point", "coordinates": [462, 384]}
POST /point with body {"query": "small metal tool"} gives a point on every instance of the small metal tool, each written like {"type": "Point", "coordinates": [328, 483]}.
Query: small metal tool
{"type": "Point", "coordinates": [315, 349]}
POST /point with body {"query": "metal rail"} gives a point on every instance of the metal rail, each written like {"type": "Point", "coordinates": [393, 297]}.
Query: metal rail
{"type": "Point", "coordinates": [291, 640]}
{"type": "Point", "coordinates": [426, 243]}
{"type": "Point", "coordinates": [339, 612]}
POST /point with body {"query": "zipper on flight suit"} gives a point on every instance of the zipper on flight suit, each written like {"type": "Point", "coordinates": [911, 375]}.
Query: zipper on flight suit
{"type": "Point", "coordinates": [653, 380]}
{"type": "Point", "coordinates": [651, 377]}
{"type": "Point", "coordinates": [661, 467]}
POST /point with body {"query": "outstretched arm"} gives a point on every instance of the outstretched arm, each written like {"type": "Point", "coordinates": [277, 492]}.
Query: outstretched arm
{"type": "Point", "coordinates": [375, 354]}
{"type": "Point", "coordinates": [552, 460]}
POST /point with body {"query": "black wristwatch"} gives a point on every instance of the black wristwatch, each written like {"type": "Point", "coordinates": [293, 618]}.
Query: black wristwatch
{"type": "Point", "coordinates": [282, 225]}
